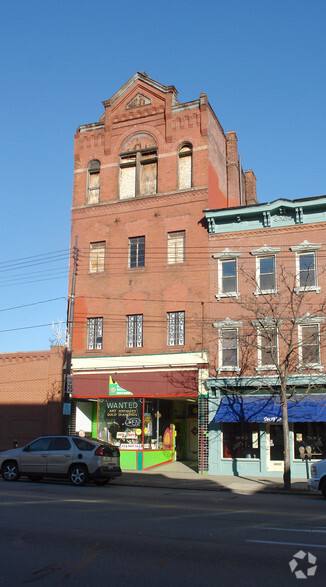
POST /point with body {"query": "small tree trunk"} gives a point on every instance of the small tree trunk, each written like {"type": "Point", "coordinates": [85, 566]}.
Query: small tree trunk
{"type": "Point", "coordinates": [286, 441]}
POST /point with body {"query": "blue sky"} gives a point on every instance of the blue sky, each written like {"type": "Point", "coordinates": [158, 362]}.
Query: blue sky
{"type": "Point", "coordinates": [261, 63]}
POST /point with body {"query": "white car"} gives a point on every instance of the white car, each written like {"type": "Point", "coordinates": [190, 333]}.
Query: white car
{"type": "Point", "coordinates": [318, 476]}
{"type": "Point", "coordinates": [71, 457]}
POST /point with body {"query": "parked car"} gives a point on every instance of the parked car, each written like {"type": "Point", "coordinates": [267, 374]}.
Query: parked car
{"type": "Point", "coordinates": [318, 476]}
{"type": "Point", "coordinates": [72, 457]}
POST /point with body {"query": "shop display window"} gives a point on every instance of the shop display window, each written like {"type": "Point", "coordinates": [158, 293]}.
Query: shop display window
{"type": "Point", "coordinates": [241, 440]}
{"type": "Point", "coordinates": [136, 423]}
{"type": "Point", "coordinates": [312, 434]}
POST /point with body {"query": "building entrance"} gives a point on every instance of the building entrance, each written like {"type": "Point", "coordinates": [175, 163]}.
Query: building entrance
{"type": "Point", "coordinates": [275, 447]}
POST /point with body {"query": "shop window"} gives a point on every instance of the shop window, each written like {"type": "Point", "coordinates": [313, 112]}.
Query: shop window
{"type": "Point", "coordinates": [138, 173]}
{"type": "Point", "coordinates": [96, 257]}
{"type": "Point", "coordinates": [176, 247]}
{"type": "Point", "coordinates": [311, 434]}
{"type": "Point", "coordinates": [241, 440]}
{"type": "Point", "coordinates": [137, 252]}
{"type": "Point", "coordinates": [176, 328]}
{"type": "Point", "coordinates": [136, 423]}
{"type": "Point", "coordinates": [93, 182]}
{"type": "Point", "coordinates": [135, 330]}
{"type": "Point", "coordinates": [94, 333]}
{"type": "Point", "coordinates": [185, 167]}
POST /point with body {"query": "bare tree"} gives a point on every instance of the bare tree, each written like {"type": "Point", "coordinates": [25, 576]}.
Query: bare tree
{"type": "Point", "coordinates": [281, 337]}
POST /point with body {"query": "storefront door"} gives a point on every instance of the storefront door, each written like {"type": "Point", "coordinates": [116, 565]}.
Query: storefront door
{"type": "Point", "coordinates": [275, 447]}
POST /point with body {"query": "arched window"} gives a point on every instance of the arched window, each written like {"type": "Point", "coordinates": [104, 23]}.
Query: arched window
{"type": "Point", "coordinates": [138, 167]}
{"type": "Point", "coordinates": [185, 167]}
{"type": "Point", "coordinates": [93, 182]}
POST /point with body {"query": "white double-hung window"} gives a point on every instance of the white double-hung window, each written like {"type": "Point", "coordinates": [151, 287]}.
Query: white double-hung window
{"type": "Point", "coordinates": [306, 267]}
{"type": "Point", "coordinates": [228, 345]}
{"type": "Point", "coordinates": [227, 273]}
{"type": "Point", "coordinates": [266, 281]}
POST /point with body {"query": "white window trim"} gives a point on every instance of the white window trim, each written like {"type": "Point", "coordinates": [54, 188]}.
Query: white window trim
{"type": "Point", "coordinates": [227, 255]}
{"type": "Point", "coordinates": [265, 251]}
{"type": "Point", "coordinates": [223, 325]}
{"type": "Point", "coordinates": [305, 247]}
{"type": "Point", "coordinates": [308, 320]}
{"type": "Point", "coordinates": [272, 366]}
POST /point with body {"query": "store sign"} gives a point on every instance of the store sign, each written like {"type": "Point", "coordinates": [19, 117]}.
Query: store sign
{"type": "Point", "coordinates": [131, 447]}
{"type": "Point", "coordinates": [131, 410]}
{"type": "Point", "coordinates": [115, 389]}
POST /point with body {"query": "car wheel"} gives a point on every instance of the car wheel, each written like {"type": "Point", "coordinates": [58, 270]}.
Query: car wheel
{"type": "Point", "coordinates": [10, 471]}
{"type": "Point", "coordinates": [101, 481]}
{"type": "Point", "coordinates": [35, 477]}
{"type": "Point", "coordinates": [323, 487]}
{"type": "Point", "coordinates": [78, 475]}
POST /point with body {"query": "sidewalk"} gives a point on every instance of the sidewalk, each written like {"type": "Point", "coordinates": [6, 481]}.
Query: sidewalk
{"type": "Point", "coordinates": [178, 475]}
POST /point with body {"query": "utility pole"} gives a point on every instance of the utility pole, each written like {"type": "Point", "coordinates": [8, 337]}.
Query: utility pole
{"type": "Point", "coordinates": [68, 378]}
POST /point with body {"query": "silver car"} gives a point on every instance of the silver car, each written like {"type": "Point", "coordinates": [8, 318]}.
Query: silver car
{"type": "Point", "coordinates": [71, 457]}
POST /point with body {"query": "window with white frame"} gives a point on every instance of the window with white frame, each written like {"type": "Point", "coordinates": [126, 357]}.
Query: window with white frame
{"type": "Point", "coordinates": [96, 257]}
{"type": "Point", "coordinates": [228, 345]}
{"type": "Point", "coordinates": [94, 334]}
{"type": "Point", "coordinates": [93, 182]}
{"type": "Point", "coordinates": [135, 330]}
{"type": "Point", "coordinates": [265, 269]}
{"type": "Point", "coordinates": [185, 167]}
{"type": "Point", "coordinates": [227, 273]}
{"type": "Point", "coordinates": [309, 345]}
{"type": "Point", "coordinates": [176, 328]}
{"type": "Point", "coordinates": [176, 247]}
{"type": "Point", "coordinates": [267, 347]}
{"type": "Point", "coordinates": [136, 252]}
{"type": "Point", "coordinates": [306, 267]}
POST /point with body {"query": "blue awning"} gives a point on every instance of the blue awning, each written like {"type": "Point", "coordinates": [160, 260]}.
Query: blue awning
{"type": "Point", "coordinates": [254, 408]}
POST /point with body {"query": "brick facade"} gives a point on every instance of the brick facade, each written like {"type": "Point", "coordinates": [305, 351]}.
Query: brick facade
{"type": "Point", "coordinates": [31, 395]}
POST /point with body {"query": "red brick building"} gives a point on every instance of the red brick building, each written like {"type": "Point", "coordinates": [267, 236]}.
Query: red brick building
{"type": "Point", "coordinates": [144, 173]}
{"type": "Point", "coordinates": [30, 395]}
{"type": "Point", "coordinates": [267, 324]}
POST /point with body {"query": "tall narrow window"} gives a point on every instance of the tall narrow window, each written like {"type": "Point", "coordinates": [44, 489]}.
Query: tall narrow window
{"type": "Point", "coordinates": [94, 333]}
{"type": "Point", "coordinates": [176, 247]}
{"type": "Point", "coordinates": [185, 167]}
{"type": "Point", "coordinates": [228, 276]}
{"type": "Point", "coordinates": [229, 348]}
{"type": "Point", "coordinates": [310, 351]}
{"type": "Point", "coordinates": [93, 182]}
{"type": "Point", "coordinates": [176, 328]}
{"type": "Point", "coordinates": [136, 252]}
{"type": "Point", "coordinates": [135, 330]}
{"type": "Point", "coordinates": [97, 257]}
{"type": "Point", "coordinates": [267, 347]}
{"type": "Point", "coordinates": [267, 279]}
{"type": "Point", "coordinates": [307, 270]}
{"type": "Point", "coordinates": [138, 167]}
{"type": "Point", "coordinates": [306, 266]}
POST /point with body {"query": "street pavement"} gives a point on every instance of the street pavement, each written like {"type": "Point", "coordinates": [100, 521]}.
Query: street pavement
{"type": "Point", "coordinates": [178, 475]}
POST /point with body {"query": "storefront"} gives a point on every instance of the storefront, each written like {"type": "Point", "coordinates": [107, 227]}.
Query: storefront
{"type": "Point", "coordinates": [151, 415]}
{"type": "Point", "coordinates": [246, 432]}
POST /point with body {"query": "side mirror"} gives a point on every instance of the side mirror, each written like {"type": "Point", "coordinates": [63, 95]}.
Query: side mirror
{"type": "Point", "coordinates": [26, 448]}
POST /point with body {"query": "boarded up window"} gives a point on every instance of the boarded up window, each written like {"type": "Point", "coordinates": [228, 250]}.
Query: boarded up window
{"type": "Point", "coordinates": [127, 182]}
{"type": "Point", "coordinates": [97, 257]}
{"type": "Point", "coordinates": [148, 179]}
{"type": "Point", "coordinates": [138, 173]}
{"type": "Point", "coordinates": [176, 247]}
{"type": "Point", "coordinates": [185, 168]}
{"type": "Point", "coordinates": [93, 185]}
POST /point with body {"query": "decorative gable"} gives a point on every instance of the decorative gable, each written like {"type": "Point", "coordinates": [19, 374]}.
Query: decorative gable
{"type": "Point", "coordinates": [138, 100]}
